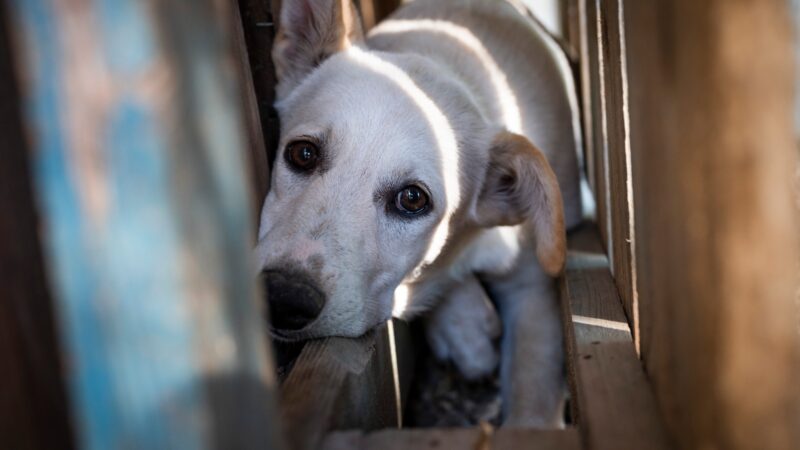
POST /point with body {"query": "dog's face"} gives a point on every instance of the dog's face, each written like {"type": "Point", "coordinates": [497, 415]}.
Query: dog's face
{"type": "Point", "coordinates": [383, 170]}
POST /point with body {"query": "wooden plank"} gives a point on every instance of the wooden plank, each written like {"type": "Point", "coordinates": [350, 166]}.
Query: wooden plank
{"type": "Point", "coordinates": [258, 156]}
{"type": "Point", "coordinates": [33, 397]}
{"type": "Point", "coordinates": [481, 438]}
{"type": "Point", "coordinates": [591, 66]}
{"type": "Point", "coordinates": [613, 404]}
{"type": "Point", "coordinates": [713, 153]}
{"type": "Point", "coordinates": [259, 27]}
{"type": "Point", "coordinates": [572, 28]}
{"type": "Point", "coordinates": [614, 132]}
{"type": "Point", "coordinates": [137, 154]}
{"type": "Point", "coordinates": [342, 383]}
{"type": "Point", "coordinates": [585, 86]}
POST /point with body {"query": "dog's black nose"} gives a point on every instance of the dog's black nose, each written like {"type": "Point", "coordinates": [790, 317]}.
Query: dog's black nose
{"type": "Point", "coordinates": [294, 301]}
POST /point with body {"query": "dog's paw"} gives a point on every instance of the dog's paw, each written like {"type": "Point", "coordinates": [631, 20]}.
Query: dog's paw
{"type": "Point", "coordinates": [463, 329]}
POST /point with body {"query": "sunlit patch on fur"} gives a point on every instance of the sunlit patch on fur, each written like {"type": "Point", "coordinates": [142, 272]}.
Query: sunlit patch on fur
{"type": "Point", "coordinates": [505, 96]}
{"type": "Point", "coordinates": [401, 295]}
{"type": "Point", "coordinates": [510, 237]}
{"type": "Point", "coordinates": [443, 133]}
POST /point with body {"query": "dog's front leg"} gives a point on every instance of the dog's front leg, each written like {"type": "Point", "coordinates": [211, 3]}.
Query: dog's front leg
{"type": "Point", "coordinates": [531, 367]}
{"type": "Point", "coordinates": [463, 328]}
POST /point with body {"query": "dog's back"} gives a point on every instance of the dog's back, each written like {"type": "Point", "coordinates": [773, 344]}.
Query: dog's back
{"type": "Point", "coordinates": [516, 73]}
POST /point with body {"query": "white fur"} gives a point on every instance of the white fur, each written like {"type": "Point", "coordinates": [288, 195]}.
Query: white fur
{"type": "Point", "coordinates": [424, 98]}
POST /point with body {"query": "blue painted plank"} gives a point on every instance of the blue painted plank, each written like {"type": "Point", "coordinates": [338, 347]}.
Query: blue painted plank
{"type": "Point", "coordinates": [139, 171]}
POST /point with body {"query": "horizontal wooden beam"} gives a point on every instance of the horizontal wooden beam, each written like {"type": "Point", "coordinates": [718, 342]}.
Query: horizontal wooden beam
{"type": "Point", "coordinates": [479, 438]}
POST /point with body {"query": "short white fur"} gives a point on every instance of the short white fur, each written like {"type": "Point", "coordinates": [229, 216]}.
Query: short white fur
{"type": "Point", "coordinates": [470, 98]}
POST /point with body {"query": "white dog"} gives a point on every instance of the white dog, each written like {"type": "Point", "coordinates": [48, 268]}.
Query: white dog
{"type": "Point", "coordinates": [413, 162]}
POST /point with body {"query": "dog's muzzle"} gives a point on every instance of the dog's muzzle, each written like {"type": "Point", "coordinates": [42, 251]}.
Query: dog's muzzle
{"type": "Point", "coordinates": [294, 300]}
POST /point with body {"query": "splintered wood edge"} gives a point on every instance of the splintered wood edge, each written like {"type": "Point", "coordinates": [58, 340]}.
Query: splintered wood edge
{"type": "Point", "coordinates": [613, 402]}
{"type": "Point", "coordinates": [478, 438]}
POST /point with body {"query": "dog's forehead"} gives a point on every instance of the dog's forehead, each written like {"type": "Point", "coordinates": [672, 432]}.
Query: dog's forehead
{"type": "Point", "coordinates": [350, 94]}
{"type": "Point", "coordinates": [372, 113]}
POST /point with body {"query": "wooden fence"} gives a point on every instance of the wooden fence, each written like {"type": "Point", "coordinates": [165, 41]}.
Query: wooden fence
{"type": "Point", "coordinates": [689, 109]}
{"type": "Point", "coordinates": [136, 139]}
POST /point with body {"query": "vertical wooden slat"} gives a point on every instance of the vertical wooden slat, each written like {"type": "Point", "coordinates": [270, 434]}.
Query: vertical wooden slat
{"type": "Point", "coordinates": [584, 75]}
{"type": "Point", "coordinates": [137, 156]}
{"type": "Point", "coordinates": [571, 24]}
{"type": "Point", "coordinates": [711, 91]}
{"type": "Point", "coordinates": [33, 401]}
{"type": "Point", "coordinates": [614, 132]}
{"type": "Point", "coordinates": [591, 66]}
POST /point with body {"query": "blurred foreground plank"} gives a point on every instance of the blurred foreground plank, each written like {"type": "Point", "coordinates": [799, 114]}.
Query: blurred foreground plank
{"type": "Point", "coordinates": [137, 149]}
{"type": "Point", "coordinates": [713, 155]}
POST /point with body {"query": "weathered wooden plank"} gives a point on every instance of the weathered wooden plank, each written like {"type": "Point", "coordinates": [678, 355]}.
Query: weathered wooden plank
{"type": "Point", "coordinates": [341, 383]}
{"type": "Point", "coordinates": [572, 27]}
{"type": "Point", "coordinates": [613, 404]}
{"type": "Point", "coordinates": [713, 153]}
{"type": "Point", "coordinates": [33, 397]}
{"type": "Point", "coordinates": [137, 157]}
{"type": "Point", "coordinates": [614, 124]}
{"type": "Point", "coordinates": [481, 438]}
{"type": "Point", "coordinates": [592, 72]}
{"type": "Point", "coordinates": [584, 76]}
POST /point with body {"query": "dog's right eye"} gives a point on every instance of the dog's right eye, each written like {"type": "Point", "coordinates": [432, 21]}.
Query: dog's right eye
{"type": "Point", "coordinates": [411, 200]}
{"type": "Point", "coordinates": [302, 156]}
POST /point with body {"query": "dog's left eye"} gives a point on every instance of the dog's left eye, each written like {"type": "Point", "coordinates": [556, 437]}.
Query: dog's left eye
{"type": "Point", "coordinates": [411, 200]}
{"type": "Point", "coordinates": [302, 156]}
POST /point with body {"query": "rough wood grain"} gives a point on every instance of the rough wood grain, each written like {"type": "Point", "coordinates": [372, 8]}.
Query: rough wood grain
{"type": "Point", "coordinates": [137, 153]}
{"type": "Point", "coordinates": [613, 403]}
{"type": "Point", "coordinates": [455, 439]}
{"type": "Point", "coordinates": [341, 383]}
{"type": "Point", "coordinates": [33, 402]}
{"type": "Point", "coordinates": [614, 132]}
{"type": "Point", "coordinates": [713, 153]}
{"type": "Point", "coordinates": [592, 72]}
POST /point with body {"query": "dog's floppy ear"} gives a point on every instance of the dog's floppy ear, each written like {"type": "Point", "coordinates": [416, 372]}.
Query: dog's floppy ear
{"type": "Point", "coordinates": [309, 31]}
{"type": "Point", "coordinates": [520, 186]}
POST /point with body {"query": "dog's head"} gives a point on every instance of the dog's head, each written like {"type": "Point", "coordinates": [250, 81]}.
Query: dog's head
{"type": "Point", "coordinates": [385, 169]}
